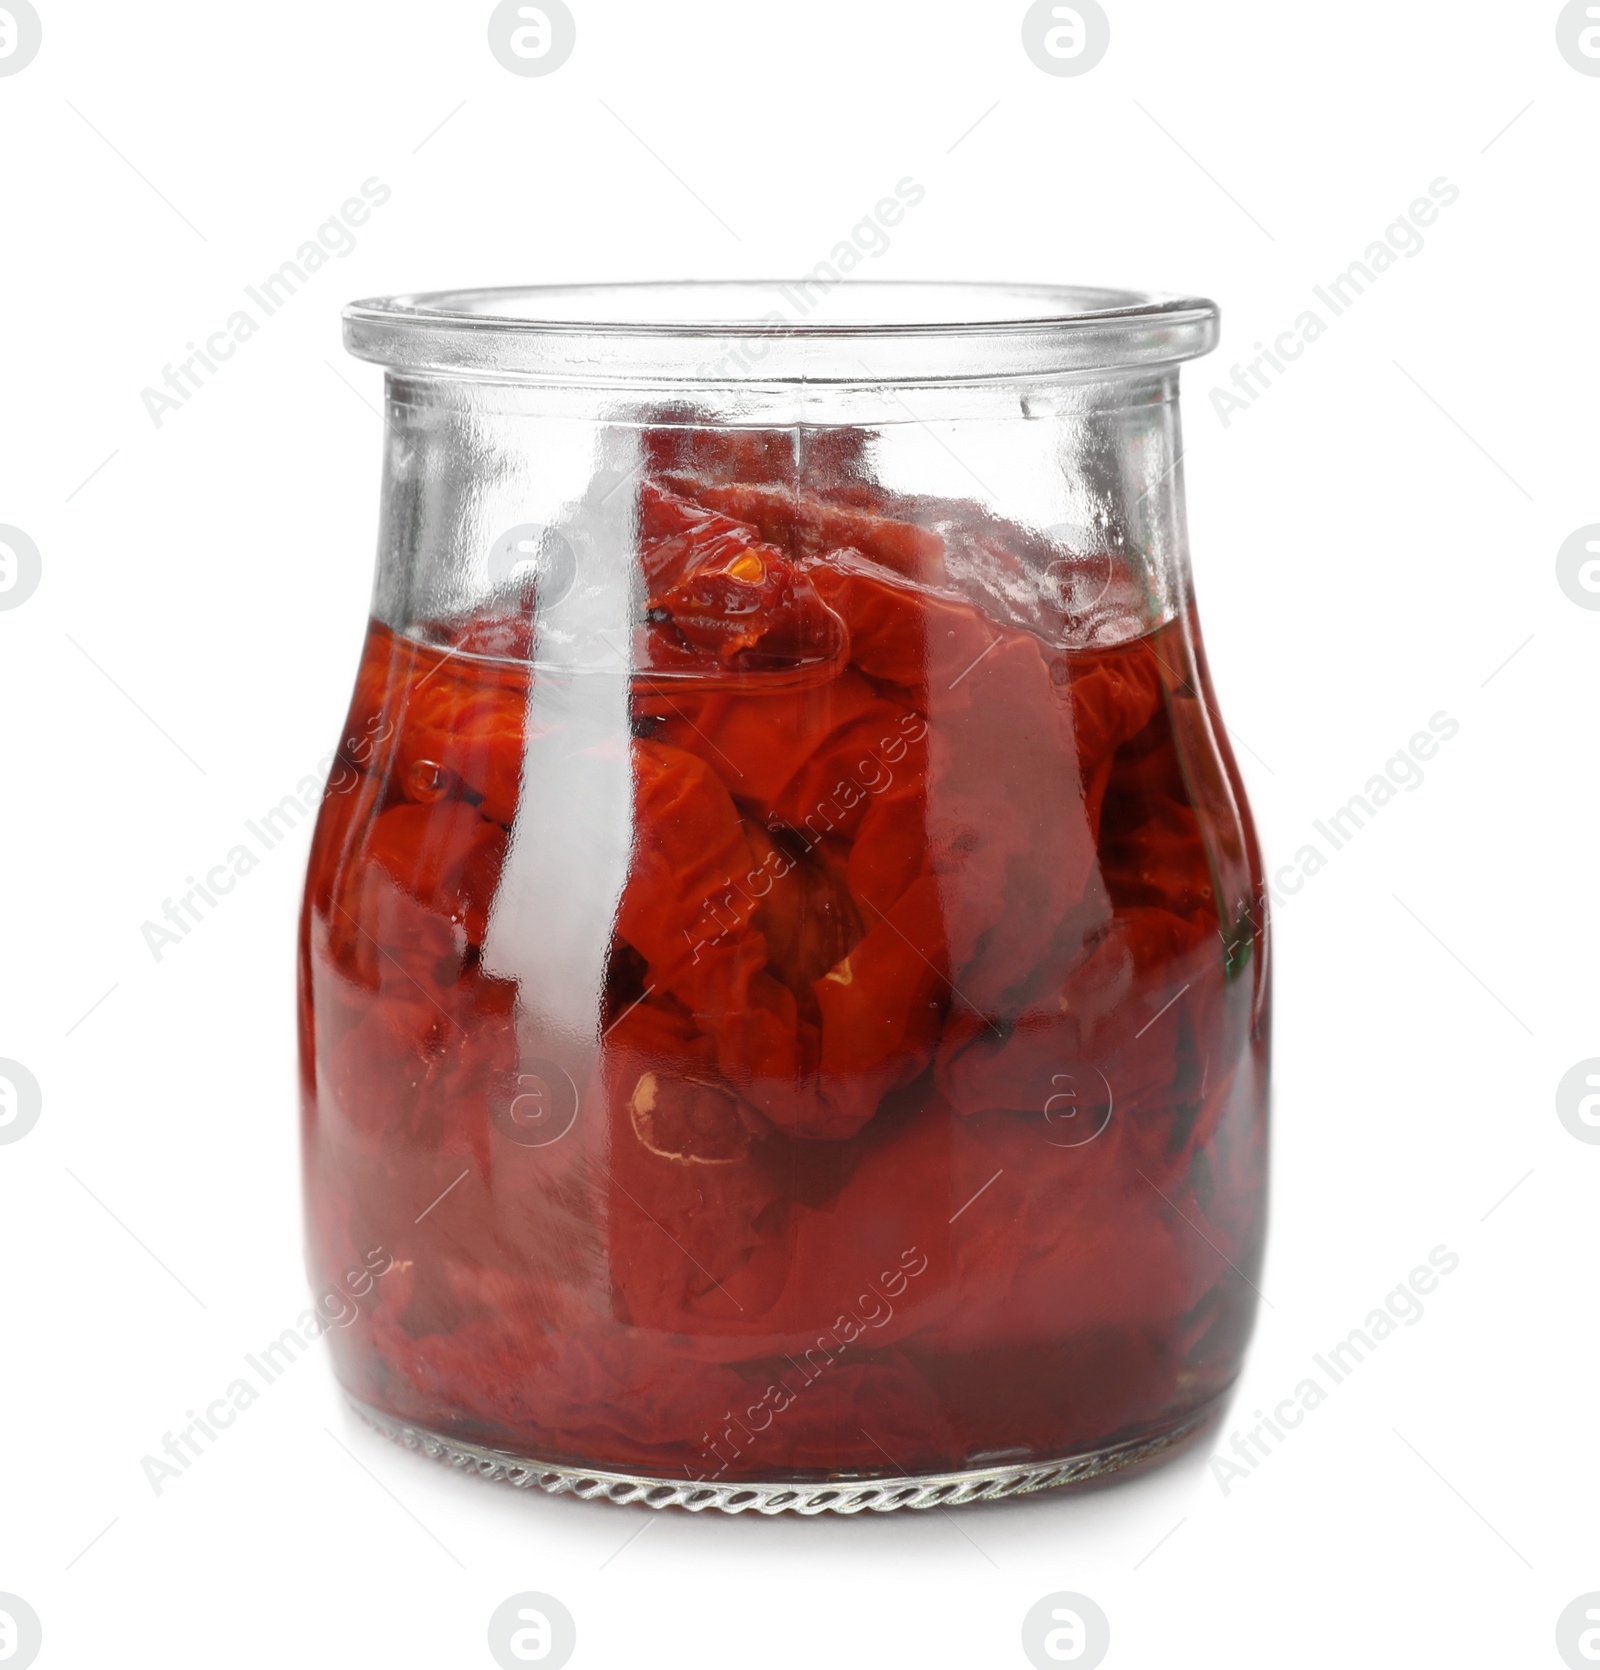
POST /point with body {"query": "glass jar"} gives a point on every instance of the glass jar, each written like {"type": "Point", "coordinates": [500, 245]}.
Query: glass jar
{"type": "Point", "coordinates": [783, 966]}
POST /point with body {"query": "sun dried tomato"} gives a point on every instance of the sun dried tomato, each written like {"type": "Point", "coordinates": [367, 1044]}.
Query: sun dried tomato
{"type": "Point", "coordinates": [916, 1095]}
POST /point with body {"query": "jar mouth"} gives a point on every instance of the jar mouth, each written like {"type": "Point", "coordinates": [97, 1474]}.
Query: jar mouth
{"type": "Point", "coordinates": [777, 331]}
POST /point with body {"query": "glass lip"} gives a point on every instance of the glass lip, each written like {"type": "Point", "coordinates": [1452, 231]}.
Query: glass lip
{"type": "Point", "coordinates": [779, 331]}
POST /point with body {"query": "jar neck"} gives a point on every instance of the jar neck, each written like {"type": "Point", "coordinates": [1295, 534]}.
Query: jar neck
{"type": "Point", "coordinates": [484, 478]}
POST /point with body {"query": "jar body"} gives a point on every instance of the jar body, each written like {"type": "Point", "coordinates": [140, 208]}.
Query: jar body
{"type": "Point", "coordinates": [783, 960]}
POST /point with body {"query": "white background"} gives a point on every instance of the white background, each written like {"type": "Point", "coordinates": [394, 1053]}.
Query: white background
{"type": "Point", "coordinates": [1366, 554]}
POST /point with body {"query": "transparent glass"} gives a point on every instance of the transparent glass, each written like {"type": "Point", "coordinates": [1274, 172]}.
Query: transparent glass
{"type": "Point", "coordinates": [784, 989]}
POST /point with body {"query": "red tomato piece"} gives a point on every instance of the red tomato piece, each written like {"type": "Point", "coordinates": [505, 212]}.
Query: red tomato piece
{"type": "Point", "coordinates": [716, 593]}
{"type": "Point", "coordinates": [809, 527]}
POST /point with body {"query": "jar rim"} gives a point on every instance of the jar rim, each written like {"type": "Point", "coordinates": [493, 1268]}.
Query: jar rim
{"type": "Point", "coordinates": [777, 331]}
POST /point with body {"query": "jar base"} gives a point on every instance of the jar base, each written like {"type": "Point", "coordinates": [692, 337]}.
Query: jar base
{"type": "Point", "coordinates": [851, 1495]}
